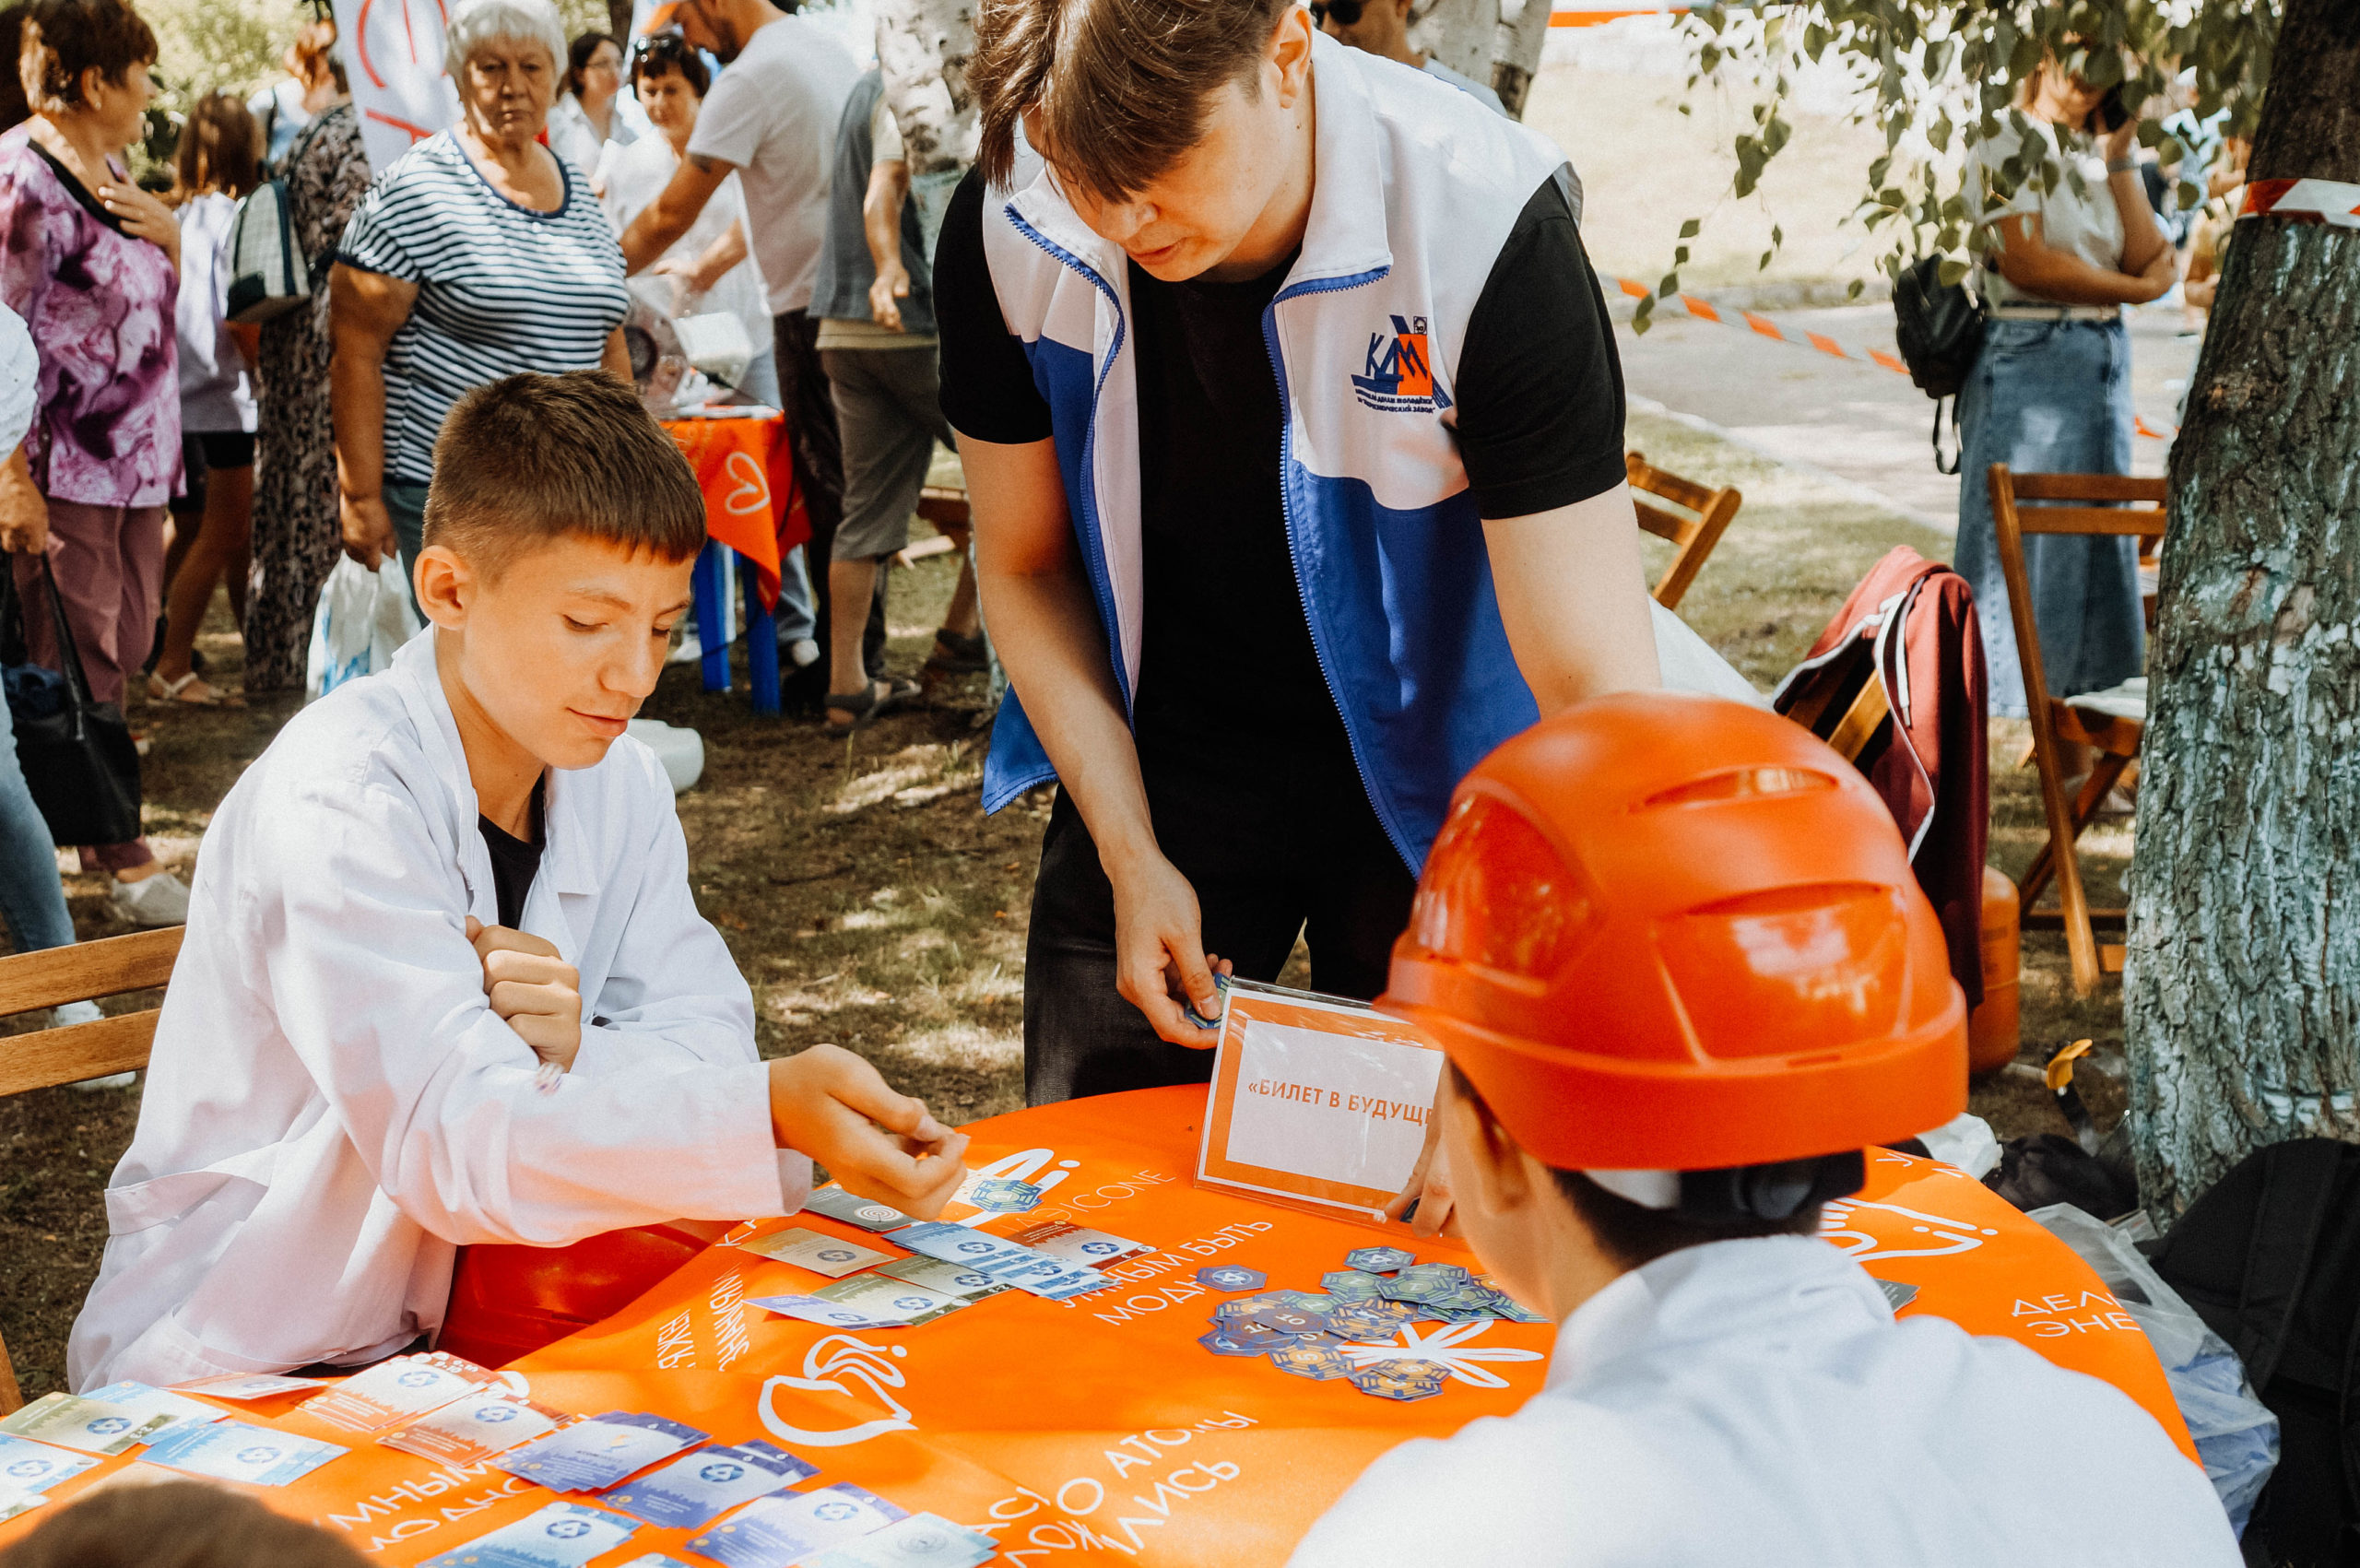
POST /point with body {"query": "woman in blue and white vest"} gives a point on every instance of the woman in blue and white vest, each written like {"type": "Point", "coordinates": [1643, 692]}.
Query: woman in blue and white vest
{"type": "Point", "coordinates": [1294, 428]}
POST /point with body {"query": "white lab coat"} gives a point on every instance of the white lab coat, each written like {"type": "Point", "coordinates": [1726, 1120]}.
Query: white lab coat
{"type": "Point", "coordinates": [333, 1107]}
{"type": "Point", "coordinates": [1754, 1402]}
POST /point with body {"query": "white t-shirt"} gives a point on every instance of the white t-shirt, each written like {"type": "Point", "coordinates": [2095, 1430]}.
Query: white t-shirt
{"type": "Point", "coordinates": [20, 378]}
{"type": "Point", "coordinates": [773, 113]}
{"type": "Point", "coordinates": [2085, 223]}
{"type": "Point", "coordinates": [216, 394]}
{"type": "Point", "coordinates": [1754, 1403]}
{"type": "Point", "coordinates": [636, 175]}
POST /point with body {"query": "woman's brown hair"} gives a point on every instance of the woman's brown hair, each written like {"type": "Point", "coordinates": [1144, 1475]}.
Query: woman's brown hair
{"type": "Point", "coordinates": [219, 148]}
{"type": "Point", "coordinates": [315, 51]}
{"type": "Point", "coordinates": [66, 38]}
{"type": "Point", "coordinates": [1121, 87]}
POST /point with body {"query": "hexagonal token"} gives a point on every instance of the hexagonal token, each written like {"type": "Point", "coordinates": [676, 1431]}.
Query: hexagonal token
{"type": "Point", "coordinates": [1310, 1300]}
{"type": "Point", "coordinates": [1351, 1285]}
{"type": "Point", "coordinates": [1318, 1363]}
{"type": "Point", "coordinates": [1370, 1320]}
{"type": "Point", "coordinates": [1416, 1369]}
{"type": "Point", "coordinates": [1385, 1385]}
{"type": "Point", "coordinates": [1380, 1260]}
{"type": "Point", "coordinates": [1232, 1277]}
{"type": "Point", "coordinates": [1245, 1306]}
{"type": "Point", "coordinates": [1220, 1344]}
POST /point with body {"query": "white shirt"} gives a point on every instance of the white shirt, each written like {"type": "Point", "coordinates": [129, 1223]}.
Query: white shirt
{"type": "Point", "coordinates": [1466, 84]}
{"type": "Point", "coordinates": [573, 135]}
{"type": "Point", "coordinates": [2085, 223]}
{"type": "Point", "coordinates": [636, 175]}
{"type": "Point", "coordinates": [773, 113]}
{"type": "Point", "coordinates": [20, 381]}
{"type": "Point", "coordinates": [333, 1107]}
{"type": "Point", "coordinates": [1754, 1403]}
{"type": "Point", "coordinates": [215, 396]}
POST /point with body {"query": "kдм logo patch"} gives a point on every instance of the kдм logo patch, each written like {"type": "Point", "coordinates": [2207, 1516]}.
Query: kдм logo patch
{"type": "Point", "coordinates": [1401, 374]}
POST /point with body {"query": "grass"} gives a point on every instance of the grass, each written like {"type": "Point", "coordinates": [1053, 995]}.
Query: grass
{"type": "Point", "coordinates": [870, 903]}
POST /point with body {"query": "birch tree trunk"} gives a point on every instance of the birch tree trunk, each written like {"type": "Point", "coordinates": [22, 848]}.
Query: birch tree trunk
{"type": "Point", "coordinates": [2242, 990]}
{"type": "Point", "coordinates": [1492, 41]}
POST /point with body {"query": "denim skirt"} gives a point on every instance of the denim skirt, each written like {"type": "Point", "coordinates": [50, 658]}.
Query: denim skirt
{"type": "Point", "coordinates": [2051, 397]}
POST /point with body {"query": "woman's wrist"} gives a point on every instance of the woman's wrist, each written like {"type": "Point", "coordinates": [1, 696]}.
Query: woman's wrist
{"type": "Point", "coordinates": [2125, 165]}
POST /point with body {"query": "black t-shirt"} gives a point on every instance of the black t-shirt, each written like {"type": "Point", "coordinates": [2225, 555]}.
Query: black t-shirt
{"type": "Point", "coordinates": [1225, 647]}
{"type": "Point", "coordinates": [514, 863]}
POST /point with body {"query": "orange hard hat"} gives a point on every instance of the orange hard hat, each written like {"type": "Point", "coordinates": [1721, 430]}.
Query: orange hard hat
{"type": "Point", "coordinates": [1672, 931]}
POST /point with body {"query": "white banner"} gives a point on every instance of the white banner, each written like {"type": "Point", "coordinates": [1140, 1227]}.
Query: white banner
{"type": "Point", "coordinates": [393, 56]}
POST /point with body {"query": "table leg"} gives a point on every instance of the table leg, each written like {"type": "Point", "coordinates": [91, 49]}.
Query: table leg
{"type": "Point", "coordinates": [704, 583]}
{"type": "Point", "coordinates": [761, 647]}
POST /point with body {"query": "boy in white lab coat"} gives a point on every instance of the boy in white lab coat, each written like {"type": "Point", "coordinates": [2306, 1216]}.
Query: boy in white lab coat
{"type": "Point", "coordinates": [443, 982]}
{"type": "Point", "coordinates": [1674, 949]}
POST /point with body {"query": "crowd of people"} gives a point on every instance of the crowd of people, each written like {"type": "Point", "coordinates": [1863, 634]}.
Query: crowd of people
{"type": "Point", "coordinates": [1289, 412]}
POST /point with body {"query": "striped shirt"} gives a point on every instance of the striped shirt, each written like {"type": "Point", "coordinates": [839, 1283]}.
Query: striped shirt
{"type": "Point", "coordinates": [501, 288]}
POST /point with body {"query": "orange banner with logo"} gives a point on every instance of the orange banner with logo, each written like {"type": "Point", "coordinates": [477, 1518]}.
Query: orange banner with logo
{"type": "Point", "coordinates": [746, 470]}
{"type": "Point", "coordinates": [1100, 1426]}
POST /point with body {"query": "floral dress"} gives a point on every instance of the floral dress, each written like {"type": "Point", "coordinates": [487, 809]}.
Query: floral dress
{"type": "Point", "coordinates": [296, 533]}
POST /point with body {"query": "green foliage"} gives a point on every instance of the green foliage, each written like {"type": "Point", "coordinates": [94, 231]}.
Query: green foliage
{"type": "Point", "coordinates": [1941, 79]}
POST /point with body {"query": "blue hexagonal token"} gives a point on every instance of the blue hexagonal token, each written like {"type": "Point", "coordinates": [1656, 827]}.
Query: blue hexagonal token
{"type": "Point", "coordinates": [1318, 1363]}
{"type": "Point", "coordinates": [1220, 1344]}
{"type": "Point", "coordinates": [1380, 1260]}
{"type": "Point", "coordinates": [1228, 1276]}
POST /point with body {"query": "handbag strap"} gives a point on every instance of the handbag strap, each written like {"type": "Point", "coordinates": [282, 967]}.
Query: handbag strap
{"type": "Point", "coordinates": [77, 680]}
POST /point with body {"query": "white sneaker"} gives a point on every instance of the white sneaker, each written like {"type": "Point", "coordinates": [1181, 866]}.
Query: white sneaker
{"type": "Point", "coordinates": [152, 902]}
{"type": "Point", "coordinates": [66, 1014]}
{"type": "Point", "coordinates": [804, 651]}
{"type": "Point", "coordinates": [691, 650]}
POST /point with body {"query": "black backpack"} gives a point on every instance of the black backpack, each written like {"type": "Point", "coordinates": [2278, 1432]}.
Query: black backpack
{"type": "Point", "coordinates": [1939, 327]}
{"type": "Point", "coordinates": [2270, 1257]}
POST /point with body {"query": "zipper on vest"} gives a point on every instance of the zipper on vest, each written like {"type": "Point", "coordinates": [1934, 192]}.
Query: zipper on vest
{"type": "Point", "coordinates": [1286, 511]}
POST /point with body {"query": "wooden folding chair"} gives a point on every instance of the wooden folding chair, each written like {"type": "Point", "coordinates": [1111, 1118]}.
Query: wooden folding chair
{"type": "Point", "coordinates": [1693, 535]}
{"type": "Point", "coordinates": [50, 1056]}
{"type": "Point", "coordinates": [945, 507]}
{"type": "Point", "coordinates": [2112, 723]}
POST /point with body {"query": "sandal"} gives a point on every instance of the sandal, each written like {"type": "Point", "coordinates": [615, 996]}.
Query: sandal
{"type": "Point", "coordinates": [191, 689]}
{"type": "Point", "coordinates": [866, 708]}
{"type": "Point", "coordinates": [955, 653]}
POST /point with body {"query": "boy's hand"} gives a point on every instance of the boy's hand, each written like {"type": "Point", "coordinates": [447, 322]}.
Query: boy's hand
{"type": "Point", "coordinates": [831, 1105]}
{"type": "Point", "coordinates": [538, 993]}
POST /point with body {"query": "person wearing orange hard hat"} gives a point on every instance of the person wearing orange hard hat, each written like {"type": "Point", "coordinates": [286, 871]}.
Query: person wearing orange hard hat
{"type": "Point", "coordinates": [1674, 949]}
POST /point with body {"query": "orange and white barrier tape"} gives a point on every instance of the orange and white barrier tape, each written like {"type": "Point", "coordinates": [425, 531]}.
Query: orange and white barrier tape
{"type": "Point", "coordinates": [2316, 201]}
{"type": "Point", "coordinates": [1705, 310]}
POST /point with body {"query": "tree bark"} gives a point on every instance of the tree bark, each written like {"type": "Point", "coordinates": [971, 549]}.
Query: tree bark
{"type": "Point", "coordinates": [2242, 990]}
{"type": "Point", "coordinates": [1492, 41]}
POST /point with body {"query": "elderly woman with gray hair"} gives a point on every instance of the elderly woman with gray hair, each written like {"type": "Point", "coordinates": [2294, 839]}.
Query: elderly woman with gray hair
{"type": "Point", "coordinates": [478, 253]}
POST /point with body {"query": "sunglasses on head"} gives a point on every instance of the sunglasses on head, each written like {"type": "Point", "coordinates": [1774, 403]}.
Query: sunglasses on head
{"type": "Point", "coordinates": [1346, 12]}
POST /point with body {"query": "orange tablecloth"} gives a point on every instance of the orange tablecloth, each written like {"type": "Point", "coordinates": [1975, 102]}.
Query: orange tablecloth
{"type": "Point", "coordinates": [1101, 1425]}
{"type": "Point", "coordinates": [746, 470]}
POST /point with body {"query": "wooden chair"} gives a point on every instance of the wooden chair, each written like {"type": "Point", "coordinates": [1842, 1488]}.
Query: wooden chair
{"type": "Point", "coordinates": [1693, 535]}
{"type": "Point", "coordinates": [50, 1056]}
{"type": "Point", "coordinates": [2111, 723]}
{"type": "Point", "coordinates": [945, 506]}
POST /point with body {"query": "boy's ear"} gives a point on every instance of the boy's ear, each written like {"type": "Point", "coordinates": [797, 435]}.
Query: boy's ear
{"type": "Point", "coordinates": [447, 585]}
{"type": "Point", "coordinates": [1498, 1174]}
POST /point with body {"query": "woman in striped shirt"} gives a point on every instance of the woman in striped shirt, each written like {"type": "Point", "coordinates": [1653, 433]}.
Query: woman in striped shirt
{"type": "Point", "coordinates": [478, 253]}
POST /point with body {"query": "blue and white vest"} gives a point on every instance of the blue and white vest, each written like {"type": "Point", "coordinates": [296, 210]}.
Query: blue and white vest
{"type": "Point", "coordinates": [1416, 188]}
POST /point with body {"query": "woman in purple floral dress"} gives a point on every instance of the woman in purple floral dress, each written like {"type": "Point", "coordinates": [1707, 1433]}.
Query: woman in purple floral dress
{"type": "Point", "coordinates": [91, 262]}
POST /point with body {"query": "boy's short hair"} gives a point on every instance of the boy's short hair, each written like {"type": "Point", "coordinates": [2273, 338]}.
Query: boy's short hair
{"type": "Point", "coordinates": [1631, 1234]}
{"type": "Point", "coordinates": [1122, 86]}
{"type": "Point", "coordinates": [175, 1524]}
{"type": "Point", "coordinates": [529, 458]}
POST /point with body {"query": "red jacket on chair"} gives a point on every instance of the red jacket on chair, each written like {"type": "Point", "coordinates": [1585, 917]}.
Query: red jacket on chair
{"type": "Point", "coordinates": [1911, 624]}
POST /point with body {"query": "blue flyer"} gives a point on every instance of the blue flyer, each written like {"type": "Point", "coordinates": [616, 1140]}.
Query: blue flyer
{"type": "Point", "coordinates": [594, 1455]}
{"type": "Point", "coordinates": [239, 1451]}
{"type": "Point", "coordinates": [563, 1535]}
{"type": "Point", "coordinates": [36, 1467]}
{"type": "Point", "coordinates": [696, 1489]}
{"type": "Point", "coordinates": [775, 1531]}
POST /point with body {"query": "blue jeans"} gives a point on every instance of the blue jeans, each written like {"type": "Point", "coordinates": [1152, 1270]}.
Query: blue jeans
{"type": "Point", "coordinates": [31, 894]}
{"type": "Point", "coordinates": [2051, 397]}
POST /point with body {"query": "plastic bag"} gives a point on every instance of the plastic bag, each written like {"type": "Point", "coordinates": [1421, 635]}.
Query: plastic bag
{"type": "Point", "coordinates": [2235, 1433]}
{"type": "Point", "coordinates": [363, 619]}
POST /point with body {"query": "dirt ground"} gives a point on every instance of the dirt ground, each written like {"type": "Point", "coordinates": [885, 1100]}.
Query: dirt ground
{"type": "Point", "coordinates": [870, 903]}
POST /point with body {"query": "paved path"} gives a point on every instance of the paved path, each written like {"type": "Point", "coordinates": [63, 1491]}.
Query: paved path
{"type": "Point", "coordinates": [1856, 421]}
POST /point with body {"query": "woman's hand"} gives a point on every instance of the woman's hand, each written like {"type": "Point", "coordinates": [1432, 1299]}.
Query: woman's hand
{"type": "Point", "coordinates": [368, 528]}
{"type": "Point", "coordinates": [2156, 280]}
{"type": "Point", "coordinates": [144, 218]}
{"type": "Point", "coordinates": [1428, 1188]}
{"type": "Point", "coordinates": [2120, 141]}
{"type": "Point", "coordinates": [24, 510]}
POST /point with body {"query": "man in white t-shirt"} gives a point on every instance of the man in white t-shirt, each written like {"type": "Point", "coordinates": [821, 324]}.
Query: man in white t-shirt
{"type": "Point", "coordinates": [771, 119]}
{"type": "Point", "coordinates": [1381, 27]}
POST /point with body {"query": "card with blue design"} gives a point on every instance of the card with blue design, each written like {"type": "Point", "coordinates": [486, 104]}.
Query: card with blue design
{"type": "Point", "coordinates": [922, 1540]}
{"type": "Point", "coordinates": [14, 1502]}
{"type": "Point", "coordinates": [867, 1213]}
{"type": "Point", "coordinates": [36, 1467]}
{"type": "Point", "coordinates": [563, 1535]}
{"type": "Point", "coordinates": [240, 1451]}
{"type": "Point", "coordinates": [149, 1403]}
{"type": "Point", "coordinates": [248, 1386]}
{"type": "Point", "coordinates": [696, 1489]}
{"type": "Point", "coordinates": [948, 1277]}
{"type": "Point", "coordinates": [831, 1255]}
{"type": "Point", "coordinates": [394, 1392]}
{"type": "Point", "coordinates": [91, 1426]}
{"type": "Point", "coordinates": [473, 1426]}
{"type": "Point", "coordinates": [826, 1314]}
{"type": "Point", "coordinates": [775, 1531]}
{"type": "Point", "coordinates": [593, 1454]}
{"type": "Point", "coordinates": [1075, 1244]}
